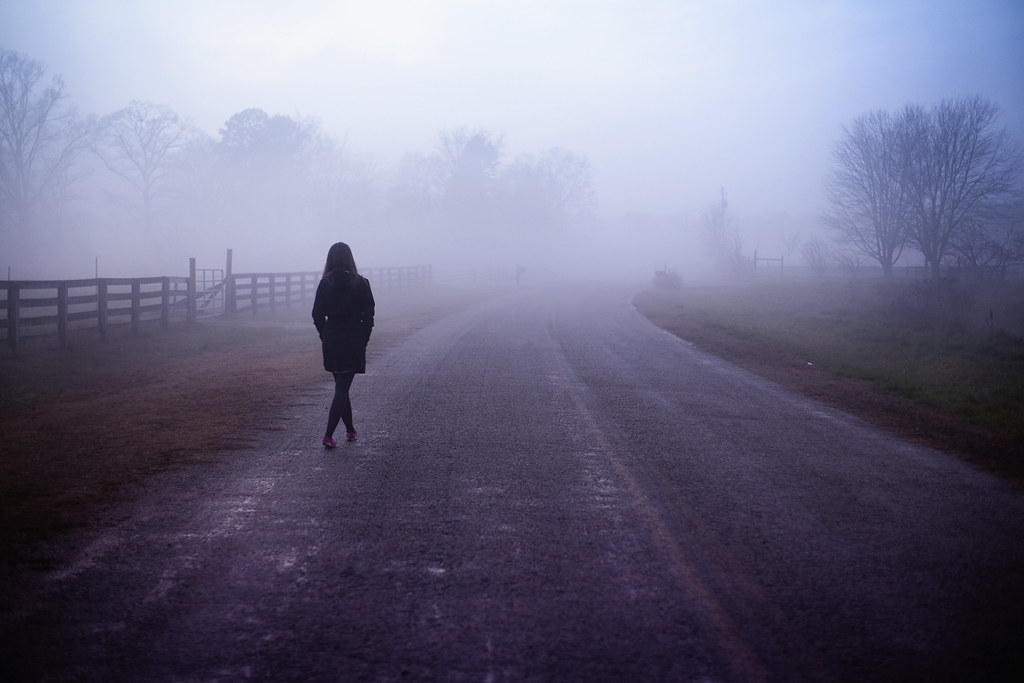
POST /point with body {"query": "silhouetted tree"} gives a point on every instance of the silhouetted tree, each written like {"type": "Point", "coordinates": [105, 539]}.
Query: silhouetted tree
{"type": "Point", "coordinates": [40, 138]}
{"type": "Point", "coordinates": [962, 167]}
{"type": "Point", "coordinates": [197, 186]}
{"type": "Point", "coordinates": [722, 237]}
{"type": "Point", "coordinates": [869, 197]}
{"type": "Point", "coordinates": [792, 240]}
{"type": "Point", "coordinates": [995, 240]}
{"type": "Point", "coordinates": [816, 254]}
{"type": "Point", "coordinates": [468, 163]}
{"type": "Point", "coordinates": [570, 178]}
{"type": "Point", "coordinates": [849, 260]}
{"type": "Point", "coordinates": [548, 193]}
{"type": "Point", "coordinates": [254, 139]}
{"type": "Point", "coordinates": [265, 163]}
{"type": "Point", "coordinates": [139, 144]}
{"type": "Point", "coordinates": [462, 189]}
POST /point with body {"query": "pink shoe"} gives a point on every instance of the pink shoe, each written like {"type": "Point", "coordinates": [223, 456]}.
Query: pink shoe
{"type": "Point", "coordinates": [329, 442]}
{"type": "Point", "coordinates": [351, 436]}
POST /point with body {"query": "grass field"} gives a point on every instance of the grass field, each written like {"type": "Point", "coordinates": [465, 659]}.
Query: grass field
{"type": "Point", "coordinates": [81, 427]}
{"type": "Point", "coordinates": [955, 350]}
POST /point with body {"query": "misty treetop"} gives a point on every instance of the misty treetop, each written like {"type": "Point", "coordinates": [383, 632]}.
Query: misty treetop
{"type": "Point", "coordinates": [464, 186]}
{"type": "Point", "coordinates": [140, 144]}
{"type": "Point", "coordinates": [41, 138]}
{"type": "Point", "coordinates": [944, 181]}
{"type": "Point", "coordinates": [146, 169]}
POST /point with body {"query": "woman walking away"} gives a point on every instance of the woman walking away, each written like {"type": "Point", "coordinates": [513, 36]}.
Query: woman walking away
{"type": "Point", "coordinates": [343, 316]}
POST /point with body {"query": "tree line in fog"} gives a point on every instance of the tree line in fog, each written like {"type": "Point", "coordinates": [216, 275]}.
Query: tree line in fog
{"type": "Point", "coordinates": [943, 182]}
{"type": "Point", "coordinates": [147, 168]}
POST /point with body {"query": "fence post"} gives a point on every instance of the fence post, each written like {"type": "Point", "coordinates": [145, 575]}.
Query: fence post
{"type": "Point", "coordinates": [190, 292]}
{"type": "Point", "coordinates": [101, 307]}
{"type": "Point", "coordinates": [165, 301]}
{"type": "Point", "coordinates": [190, 310]}
{"type": "Point", "coordinates": [13, 294]}
{"type": "Point", "coordinates": [230, 302]}
{"type": "Point", "coordinates": [62, 313]}
{"type": "Point", "coordinates": [136, 305]}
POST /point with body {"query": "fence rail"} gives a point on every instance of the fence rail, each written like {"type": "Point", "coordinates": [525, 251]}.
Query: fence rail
{"type": "Point", "coordinates": [57, 308]}
{"type": "Point", "coordinates": [48, 309]}
{"type": "Point", "coordinates": [255, 292]}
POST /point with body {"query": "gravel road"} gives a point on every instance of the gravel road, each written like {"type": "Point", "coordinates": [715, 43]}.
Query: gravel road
{"type": "Point", "coordinates": [546, 487]}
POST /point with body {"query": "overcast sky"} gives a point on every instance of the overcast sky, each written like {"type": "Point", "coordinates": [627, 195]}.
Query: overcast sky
{"type": "Point", "coordinates": [669, 99]}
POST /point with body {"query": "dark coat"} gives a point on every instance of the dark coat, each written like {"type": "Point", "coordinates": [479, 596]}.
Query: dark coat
{"type": "Point", "coordinates": [343, 316]}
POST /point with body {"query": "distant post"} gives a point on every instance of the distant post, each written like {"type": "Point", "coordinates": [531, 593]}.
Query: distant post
{"type": "Point", "coordinates": [190, 309]}
{"type": "Point", "coordinates": [165, 301]}
{"type": "Point", "coordinates": [62, 313]}
{"type": "Point", "coordinates": [136, 305]}
{"type": "Point", "coordinates": [229, 288]}
{"type": "Point", "coordinates": [101, 307]}
{"type": "Point", "coordinates": [780, 260]}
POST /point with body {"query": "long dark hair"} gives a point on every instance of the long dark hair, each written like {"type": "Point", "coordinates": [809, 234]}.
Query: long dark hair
{"type": "Point", "coordinates": [339, 257]}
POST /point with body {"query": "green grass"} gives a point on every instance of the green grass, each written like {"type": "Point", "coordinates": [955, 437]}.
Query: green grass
{"type": "Point", "coordinates": [933, 343]}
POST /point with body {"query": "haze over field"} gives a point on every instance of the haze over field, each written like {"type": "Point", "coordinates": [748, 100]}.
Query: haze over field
{"type": "Point", "coordinates": [667, 101]}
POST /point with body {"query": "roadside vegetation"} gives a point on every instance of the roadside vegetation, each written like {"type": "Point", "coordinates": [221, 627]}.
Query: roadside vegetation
{"type": "Point", "coordinates": [83, 427]}
{"type": "Point", "coordinates": [950, 356]}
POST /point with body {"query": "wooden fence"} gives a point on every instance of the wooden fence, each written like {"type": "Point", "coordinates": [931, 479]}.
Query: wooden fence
{"type": "Point", "coordinates": [58, 309]}
{"type": "Point", "coordinates": [255, 292]}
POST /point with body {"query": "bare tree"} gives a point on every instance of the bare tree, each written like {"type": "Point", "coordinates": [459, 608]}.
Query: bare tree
{"type": "Point", "coordinates": [816, 254]}
{"type": "Point", "coordinates": [547, 193]}
{"type": "Point", "coordinates": [468, 164]}
{"type": "Point", "coordinates": [569, 178]}
{"type": "Point", "coordinates": [722, 237]}
{"type": "Point", "coordinates": [197, 200]}
{"type": "Point", "coordinates": [963, 165]}
{"type": "Point", "coordinates": [792, 240]}
{"type": "Point", "coordinates": [868, 194]}
{"type": "Point", "coordinates": [849, 260]}
{"type": "Point", "coordinates": [264, 164]}
{"type": "Point", "coordinates": [139, 143]}
{"type": "Point", "coordinates": [464, 187]}
{"type": "Point", "coordinates": [40, 137]}
{"type": "Point", "coordinates": [995, 240]}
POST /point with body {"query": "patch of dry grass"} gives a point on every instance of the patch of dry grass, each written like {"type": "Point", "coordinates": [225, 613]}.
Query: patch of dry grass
{"type": "Point", "coordinates": [81, 425]}
{"type": "Point", "coordinates": [915, 359]}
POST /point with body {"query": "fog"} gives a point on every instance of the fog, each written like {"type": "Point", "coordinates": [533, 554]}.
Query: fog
{"type": "Point", "coordinates": [653, 107]}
